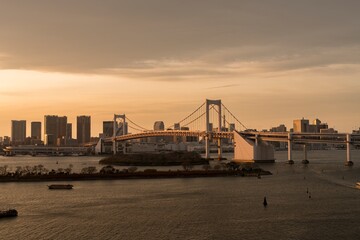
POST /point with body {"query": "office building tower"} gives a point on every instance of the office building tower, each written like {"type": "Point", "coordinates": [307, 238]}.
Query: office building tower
{"type": "Point", "coordinates": [108, 128]}
{"type": "Point", "coordinates": [18, 132]}
{"type": "Point", "coordinates": [69, 131]}
{"type": "Point", "coordinates": [62, 125]}
{"type": "Point", "coordinates": [301, 125]}
{"type": "Point", "coordinates": [159, 126]}
{"type": "Point", "coordinates": [55, 128]}
{"type": "Point", "coordinates": [50, 128]}
{"type": "Point", "coordinates": [36, 130]}
{"type": "Point", "coordinates": [83, 129]}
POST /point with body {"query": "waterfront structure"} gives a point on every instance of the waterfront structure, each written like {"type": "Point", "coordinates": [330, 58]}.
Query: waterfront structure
{"type": "Point", "coordinates": [36, 130]}
{"type": "Point", "coordinates": [18, 132]}
{"type": "Point", "coordinates": [6, 141]}
{"type": "Point", "coordinates": [280, 128]}
{"type": "Point", "coordinates": [304, 126]}
{"type": "Point", "coordinates": [255, 144]}
{"type": "Point", "coordinates": [83, 129]}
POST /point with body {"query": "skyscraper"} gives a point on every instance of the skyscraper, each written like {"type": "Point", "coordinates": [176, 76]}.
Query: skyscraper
{"type": "Point", "coordinates": [18, 132]}
{"type": "Point", "coordinates": [159, 126]}
{"type": "Point", "coordinates": [108, 128]}
{"type": "Point", "coordinates": [54, 129]}
{"type": "Point", "coordinates": [62, 124]}
{"type": "Point", "coordinates": [83, 129]}
{"type": "Point", "coordinates": [69, 131]}
{"type": "Point", "coordinates": [36, 130]}
{"type": "Point", "coordinates": [50, 129]}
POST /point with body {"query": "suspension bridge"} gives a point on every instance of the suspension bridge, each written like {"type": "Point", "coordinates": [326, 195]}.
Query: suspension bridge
{"type": "Point", "coordinates": [212, 121]}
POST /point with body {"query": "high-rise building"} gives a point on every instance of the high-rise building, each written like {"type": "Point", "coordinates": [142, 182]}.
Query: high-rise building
{"type": "Point", "coordinates": [50, 129]}
{"type": "Point", "coordinates": [36, 130]}
{"type": "Point", "coordinates": [280, 128]}
{"type": "Point", "coordinates": [69, 131]}
{"type": "Point", "coordinates": [159, 126]}
{"type": "Point", "coordinates": [83, 129]}
{"type": "Point", "coordinates": [55, 128]}
{"type": "Point", "coordinates": [18, 132]}
{"type": "Point", "coordinates": [62, 124]}
{"type": "Point", "coordinates": [301, 125]}
{"type": "Point", "coordinates": [108, 128]}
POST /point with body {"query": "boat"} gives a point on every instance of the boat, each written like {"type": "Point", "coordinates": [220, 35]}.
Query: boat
{"type": "Point", "coordinates": [8, 213]}
{"type": "Point", "coordinates": [60, 186]}
{"type": "Point", "coordinates": [358, 184]}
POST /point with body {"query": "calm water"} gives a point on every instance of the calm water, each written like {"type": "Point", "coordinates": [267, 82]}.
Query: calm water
{"type": "Point", "coordinates": [214, 208]}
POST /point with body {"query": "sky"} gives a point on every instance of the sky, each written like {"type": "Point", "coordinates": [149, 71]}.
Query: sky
{"type": "Point", "coordinates": [269, 61]}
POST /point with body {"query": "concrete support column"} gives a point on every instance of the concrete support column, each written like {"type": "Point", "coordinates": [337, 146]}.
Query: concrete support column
{"type": "Point", "coordinates": [305, 160]}
{"type": "Point", "coordinates": [348, 150]}
{"type": "Point", "coordinates": [290, 160]}
{"type": "Point", "coordinates": [219, 149]}
{"type": "Point", "coordinates": [207, 147]}
{"type": "Point", "coordinates": [115, 126]}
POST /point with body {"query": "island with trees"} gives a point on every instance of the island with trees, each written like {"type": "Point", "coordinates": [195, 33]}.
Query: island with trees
{"type": "Point", "coordinates": [109, 172]}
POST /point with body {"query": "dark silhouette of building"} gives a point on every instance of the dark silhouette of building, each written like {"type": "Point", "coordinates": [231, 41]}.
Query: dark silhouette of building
{"type": "Point", "coordinates": [18, 132]}
{"type": "Point", "coordinates": [55, 130]}
{"type": "Point", "coordinates": [69, 131]}
{"type": "Point", "coordinates": [108, 128]}
{"type": "Point", "coordinates": [36, 130]}
{"type": "Point", "coordinates": [83, 129]}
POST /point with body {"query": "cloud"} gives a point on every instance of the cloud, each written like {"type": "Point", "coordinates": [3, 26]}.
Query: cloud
{"type": "Point", "coordinates": [172, 41]}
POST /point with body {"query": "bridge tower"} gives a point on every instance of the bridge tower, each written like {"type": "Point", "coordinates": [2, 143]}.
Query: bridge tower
{"type": "Point", "coordinates": [209, 103]}
{"type": "Point", "coordinates": [116, 128]}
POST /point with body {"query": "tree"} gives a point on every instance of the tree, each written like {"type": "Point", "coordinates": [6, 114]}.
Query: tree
{"type": "Point", "coordinates": [3, 170]}
{"type": "Point", "coordinates": [68, 170]}
{"type": "Point", "coordinates": [187, 165]}
{"type": "Point", "coordinates": [206, 167]}
{"type": "Point", "coordinates": [88, 170]}
{"type": "Point", "coordinates": [132, 169]}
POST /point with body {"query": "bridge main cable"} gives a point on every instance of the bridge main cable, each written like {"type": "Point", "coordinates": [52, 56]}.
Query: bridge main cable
{"type": "Point", "coordinates": [234, 116]}
{"type": "Point", "coordinates": [190, 115]}
{"type": "Point", "coordinates": [141, 128]}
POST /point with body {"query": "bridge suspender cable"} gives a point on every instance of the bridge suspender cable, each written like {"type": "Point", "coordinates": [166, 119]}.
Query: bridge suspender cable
{"type": "Point", "coordinates": [190, 114]}
{"type": "Point", "coordinates": [141, 128]}
{"type": "Point", "coordinates": [234, 116]}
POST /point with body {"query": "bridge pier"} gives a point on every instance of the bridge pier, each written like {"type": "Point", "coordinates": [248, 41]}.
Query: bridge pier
{"type": "Point", "coordinates": [207, 147]}
{"type": "Point", "coordinates": [219, 149]}
{"type": "Point", "coordinates": [290, 160]}
{"type": "Point", "coordinates": [348, 151]}
{"type": "Point", "coordinates": [114, 147]}
{"type": "Point", "coordinates": [305, 160]}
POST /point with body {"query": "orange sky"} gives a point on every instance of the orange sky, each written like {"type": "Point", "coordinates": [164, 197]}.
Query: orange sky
{"type": "Point", "coordinates": [269, 62]}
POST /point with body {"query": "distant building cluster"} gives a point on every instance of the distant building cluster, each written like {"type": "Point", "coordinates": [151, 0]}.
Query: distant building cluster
{"type": "Point", "coordinates": [56, 132]}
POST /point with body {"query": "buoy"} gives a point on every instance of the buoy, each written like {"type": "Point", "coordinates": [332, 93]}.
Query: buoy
{"type": "Point", "coordinates": [265, 202]}
{"type": "Point", "coordinates": [307, 190]}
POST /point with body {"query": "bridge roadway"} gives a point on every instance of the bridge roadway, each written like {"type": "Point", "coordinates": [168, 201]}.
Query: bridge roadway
{"type": "Point", "coordinates": [296, 138]}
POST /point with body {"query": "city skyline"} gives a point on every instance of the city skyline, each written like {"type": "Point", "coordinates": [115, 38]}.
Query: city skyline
{"type": "Point", "coordinates": [269, 62]}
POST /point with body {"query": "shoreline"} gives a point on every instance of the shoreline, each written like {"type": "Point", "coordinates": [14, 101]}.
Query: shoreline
{"type": "Point", "coordinates": [135, 175]}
